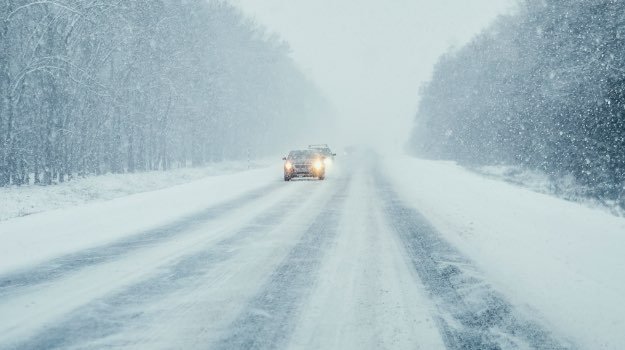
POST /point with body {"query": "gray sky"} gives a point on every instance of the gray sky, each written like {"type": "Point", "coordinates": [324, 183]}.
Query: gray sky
{"type": "Point", "coordinates": [370, 57]}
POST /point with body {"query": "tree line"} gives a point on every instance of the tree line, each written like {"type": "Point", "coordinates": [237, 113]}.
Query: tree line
{"type": "Point", "coordinates": [543, 88]}
{"type": "Point", "coordinates": [95, 86]}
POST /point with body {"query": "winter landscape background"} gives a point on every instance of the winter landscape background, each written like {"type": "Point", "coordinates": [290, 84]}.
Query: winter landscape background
{"type": "Point", "coordinates": [475, 200]}
{"type": "Point", "coordinates": [90, 87]}
{"type": "Point", "coordinates": [542, 89]}
{"type": "Point", "coordinates": [94, 87]}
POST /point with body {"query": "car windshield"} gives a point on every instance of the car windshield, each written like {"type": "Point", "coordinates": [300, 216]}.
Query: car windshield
{"type": "Point", "coordinates": [302, 155]}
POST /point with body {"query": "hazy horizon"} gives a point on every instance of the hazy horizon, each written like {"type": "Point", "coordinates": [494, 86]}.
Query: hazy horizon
{"type": "Point", "coordinates": [369, 58]}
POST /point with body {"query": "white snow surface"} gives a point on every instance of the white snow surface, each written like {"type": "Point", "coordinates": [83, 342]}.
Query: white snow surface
{"type": "Point", "coordinates": [368, 298]}
{"type": "Point", "coordinates": [561, 259]}
{"type": "Point", "coordinates": [16, 201]}
{"type": "Point", "coordinates": [40, 237]}
{"type": "Point", "coordinates": [565, 187]}
{"type": "Point", "coordinates": [307, 264]}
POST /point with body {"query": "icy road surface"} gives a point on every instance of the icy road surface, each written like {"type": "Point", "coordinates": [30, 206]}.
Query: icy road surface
{"type": "Point", "coordinates": [345, 263]}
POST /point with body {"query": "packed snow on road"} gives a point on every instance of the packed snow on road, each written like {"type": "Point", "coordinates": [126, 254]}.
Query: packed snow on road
{"type": "Point", "coordinates": [312, 175]}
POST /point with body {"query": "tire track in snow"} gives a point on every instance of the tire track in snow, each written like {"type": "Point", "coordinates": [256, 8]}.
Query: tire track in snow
{"type": "Point", "coordinates": [268, 319]}
{"type": "Point", "coordinates": [59, 267]}
{"type": "Point", "coordinates": [472, 314]}
{"type": "Point", "coordinates": [86, 326]}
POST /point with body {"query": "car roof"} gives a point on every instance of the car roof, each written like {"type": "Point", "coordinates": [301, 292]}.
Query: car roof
{"type": "Point", "coordinates": [304, 151]}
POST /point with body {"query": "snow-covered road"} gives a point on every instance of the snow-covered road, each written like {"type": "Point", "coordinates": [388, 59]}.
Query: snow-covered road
{"type": "Point", "coordinates": [347, 263]}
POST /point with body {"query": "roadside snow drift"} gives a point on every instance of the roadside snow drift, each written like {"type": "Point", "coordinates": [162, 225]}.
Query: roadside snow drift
{"type": "Point", "coordinates": [560, 258]}
{"type": "Point", "coordinates": [40, 237]}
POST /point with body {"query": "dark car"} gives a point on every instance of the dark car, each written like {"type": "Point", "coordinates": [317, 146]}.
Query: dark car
{"type": "Point", "coordinates": [324, 150]}
{"type": "Point", "coordinates": [304, 163]}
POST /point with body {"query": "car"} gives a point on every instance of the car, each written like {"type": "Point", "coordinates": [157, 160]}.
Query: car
{"type": "Point", "coordinates": [304, 163]}
{"type": "Point", "coordinates": [324, 149]}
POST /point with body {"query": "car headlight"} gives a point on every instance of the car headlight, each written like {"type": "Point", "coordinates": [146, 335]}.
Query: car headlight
{"type": "Point", "coordinates": [288, 165]}
{"type": "Point", "coordinates": [318, 165]}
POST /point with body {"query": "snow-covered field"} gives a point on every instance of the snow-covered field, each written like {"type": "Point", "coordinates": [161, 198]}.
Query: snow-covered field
{"type": "Point", "coordinates": [397, 253]}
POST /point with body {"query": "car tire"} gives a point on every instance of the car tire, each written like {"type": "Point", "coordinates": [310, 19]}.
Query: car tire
{"type": "Point", "coordinates": [287, 178]}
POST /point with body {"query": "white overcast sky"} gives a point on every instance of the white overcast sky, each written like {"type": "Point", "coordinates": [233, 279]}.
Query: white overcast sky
{"type": "Point", "coordinates": [370, 57]}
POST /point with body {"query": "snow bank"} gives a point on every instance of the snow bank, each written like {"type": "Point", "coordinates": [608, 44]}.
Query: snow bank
{"type": "Point", "coordinates": [28, 240]}
{"type": "Point", "coordinates": [26, 200]}
{"type": "Point", "coordinates": [558, 257]}
{"type": "Point", "coordinates": [565, 187]}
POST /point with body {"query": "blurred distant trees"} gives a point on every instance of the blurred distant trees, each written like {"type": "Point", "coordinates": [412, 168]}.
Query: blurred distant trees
{"type": "Point", "coordinates": [544, 89]}
{"type": "Point", "coordinates": [96, 86]}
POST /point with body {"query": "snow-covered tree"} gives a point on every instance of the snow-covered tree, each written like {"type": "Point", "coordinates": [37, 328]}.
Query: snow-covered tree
{"type": "Point", "coordinates": [95, 86]}
{"type": "Point", "coordinates": [544, 88]}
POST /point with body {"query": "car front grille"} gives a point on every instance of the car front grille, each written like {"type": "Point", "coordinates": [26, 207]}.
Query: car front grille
{"type": "Point", "coordinates": [301, 167]}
